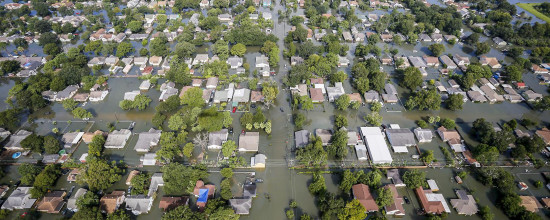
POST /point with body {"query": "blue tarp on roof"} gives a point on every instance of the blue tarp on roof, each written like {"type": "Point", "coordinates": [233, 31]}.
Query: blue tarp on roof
{"type": "Point", "coordinates": [203, 195]}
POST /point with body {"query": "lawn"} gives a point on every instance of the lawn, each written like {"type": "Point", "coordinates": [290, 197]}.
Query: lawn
{"type": "Point", "coordinates": [530, 8]}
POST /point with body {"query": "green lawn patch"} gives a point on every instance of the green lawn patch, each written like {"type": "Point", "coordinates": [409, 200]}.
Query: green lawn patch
{"type": "Point", "coordinates": [530, 8]}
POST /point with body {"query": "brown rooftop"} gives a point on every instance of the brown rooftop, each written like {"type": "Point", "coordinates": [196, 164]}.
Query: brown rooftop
{"type": "Point", "coordinates": [109, 203]}
{"type": "Point", "coordinates": [52, 202]}
{"type": "Point", "coordinates": [431, 207]}
{"type": "Point", "coordinates": [168, 203]}
{"type": "Point", "coordinates": [361, 192]}
{"type": "Point", "coordinates": [316, 95]}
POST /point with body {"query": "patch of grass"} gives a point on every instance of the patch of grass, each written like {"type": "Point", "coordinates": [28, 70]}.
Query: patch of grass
{"type": "Point", "coordinates": [530, 8]}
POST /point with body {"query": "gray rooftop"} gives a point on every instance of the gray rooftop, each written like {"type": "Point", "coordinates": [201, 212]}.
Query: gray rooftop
{"type": "Point", "coordinates": [117, 139]}
{"type": "Point", "coordinates": [400, 137]}
{"type": "Point", "coordinates": [301, 138]}
{"type": "Point", "coordinates": [241, 206]}
{"type": "Point", "coordinates": [147, 140]}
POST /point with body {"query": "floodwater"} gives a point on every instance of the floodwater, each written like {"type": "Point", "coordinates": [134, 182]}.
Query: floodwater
{"type": "Point", "coordinates": [282, 184]}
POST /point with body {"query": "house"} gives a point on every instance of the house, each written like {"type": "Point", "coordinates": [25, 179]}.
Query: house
{"type": "Point", "coordinates": [156, 181]}
{"type": "Point", "coordinates": [138, 204]}
{"type": "Point", "coordinates": [131, 176]}
{"type": "Point", "coordinates": [262, 62]}
{"type": "Point", "coordinates": [203, 193]}
{"type": "Point", "coordinates": [97, 96]}
{"type": "Point", "coordinates": [431, 61]}
{"type": "Point", "coordinates": [530, 203]}
{"type": "Point", "coordinates": [147, 140]}
{"type": "Point", "coordinates": [148, 159]}
{"type": "Point", "coordinates": [447, 62]}
{"type": "Point", "coordinates": [465, 204]}
{"type": "Point", "coordinates": [167, 93]}
{"type": "Point", "coordinates": [532, 96]}
{"type": "Point", "coordinates": [400, 139]}
{"type": "Point", "coordinates": [395, 208]}
{"type": "Point", "coordinates": [81, 97]}
{"type": "Point", "coordinates": [359, 37]}
{"type": "Point", "coordinates": [376, 145]}
{"type": "Point", "coordinates": [212, 83]}
{"type": "Point", "coordinates": [258, 161]}
{"type": "Point", "coordinates": [216, 139]}
{"type": "Point", "coordinates": [117, 139]}
{"type": "Point", "coordinates": [476, 96]}
{"type": "Point", "coordinates": [249, 141]}
{"type": "Point", "coordinates": [335, 92]}
{"type": "Point", "coordinates": [301, 138]}
{"type": "Point", "coordinates": [347, 36]}
{"type": "Point", "coordinates": [50, 158]}
{"type": "Point", "coordinates": [423, 135]}
{"type": "Point", "coordinates": [235, 62]}
{"type": "Point", "coordinates": [393, 174]}
{"type": "Point", "coordinates": [452, 137]}
{"type": "Point", "coordinates": [241, 95]}
{"type": "Point", "coordinates": [52, 202]}
{"type": "Point", "coordinates": [546, 201]}
{"type": "Point", "coordinates": [432, 203]}
{"type": "Point", "coordinates": [343, 61]}
{"type": "Point", "coordinates": [424, 38]}
{"type": "Point", "coordinates": [71, 138]}
{"type": "Point", "coordinates": [538, 70]}
{"type": "Point", "coordinates": [437, 37]}
{"type": "Point", "coordinates": [88, 136]}
{"type": "Point", "coordinates": [155, 60]}
{"type": "Point", "coordinates": [241, 206]}
{"type": "Point", "coordinates": [391, 93]}
{"type": "Point", "coordinates": [386, 60]}
{"type": "Point", "coordinates": [111, 60]}
{"type": "Point", "coordinates": [499, 41]}
{"type": "Point", "coordinates": [71, 203]}
{"type": "Point", "coordinates": [544, 134]}
{"type": "Point", "coordinates": [20, 198]}
{"type": "Point", "coordinates": [96, 61]}
{"type": "Point", "coordinates": [295, 60]}
{"type": "Point", "coordinates": [141, 61]}
{"type": "Point", "coordinates": [131, 95]}
{"type": "Point", "coordinates": [145, 85]}
{"type": "Point", "coordinates": [168, 203]}
{"type": "Point", "coordinates": [109, 203]}
{"type": "Point", "coordinates": [372, 96]}
{"type": "Point", "coordinates": [417, 62]}
{"type": "Point", "coordinates": [461, 60]}
{"type": "Point", "coordinates": [361, 152]}
{"type": "Point", "coordinates": [325, 135]}
{"type": "Point", "coordinates": [490, 61]}
{"type": "Point", "coordinates": [317, 83]}
{"type": "Point", "coordinates": [316, 95]}
{"type": "Point", "coordinates": [200, 59]}
{"type": "Point", "coordinates": [361, 192]}
{"type": "Point", "coordinates": [386, 37]}
{"type": "Point", "coordinates": [15, 140]}
{"type": "Point", "coordinates": [66, 93]}
{"type": "Point", "coordinates": [256, 96]}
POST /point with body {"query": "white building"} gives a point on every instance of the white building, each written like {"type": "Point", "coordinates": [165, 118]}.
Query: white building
{"type": "Point", "coordinates": [376, 145]}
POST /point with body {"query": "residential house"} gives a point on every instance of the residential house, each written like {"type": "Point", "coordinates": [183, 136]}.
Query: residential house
{"type": "Point", "coordinates": [359, 37]}
{"type": "Point", "coordinates": [256, 96]}
{"type": "Point", "coordinates": [447, 62]}
{"type": "Point", "coordinates": [241, 206]}
{"type": "Point", "coordinates": [386, 37]}
{"type": "Point", "coordinates": [52, 202]}
{"type": "Point", "coordinates": [431, 61]}
{"type": "Point", "coordinates": [141, 61]}
{"type": "Point", "coordinates": [138, 204]}
{"type": "Point", "coordinates": [423, 135]}
{"type": "Point", "coordinates": [295, 60]}
{"type": "Point", "coordinates": [168, 203]}
{"type": "Point", "coordinates": [362, 193]}
{"type": "Point", "coordinates": [335, 92]}
{"type": "Point", "coordinates": [490, 61]}
{"type": "Point", "coordinates": [316, 95]}
{"type": "Point", "coordinates": [530, 203]}
{"type": "Point", "coordinates": [258, 161]}
{"type": "Point", "coordinates": [372, 96]}
{"type": "Point", "coordinates": [4, 134]}
{"type": "Point", "coordinates": [452, 137]}
{"type": "Point", "coordinates": [117, 139]}
{"type": "Point", "coordinates": [532, 96]}
{"type": "Point", "coordinates": [465, 204]}
{"type": "Point", "coordinates": [395, 208]}
{"type": "Point", "coordinates": [155, 60]}
{"type": "Point", "coordinates": [301, 138]}
{"type": "Point", "coordinates": [404, 62]}
{"type": "Point", "coordinates": [317, 83]}
{"type": "Point", "coordinates": [461, 60]}
{"type": "Point", "coordinates": [131, 95]}
{"type": "Point", "coordinates": [262, 62]}
{"type": "Point", "coordinates": [432, 203]}
{"type": "Point", "coordinates": [544, 134]}
{"type": "Point", "coordinates": [241, 95]}
{"type": "Point", "coordinates": [376, 145]}
{"type": "Point", "coordinates": [417, 62]}
{"type": "Point", "coordinates": [361, 152]}
{"type": "Point", "coordinates": [437, 37]}
{"type": "Point", "coordinates": [203, 193]}
{"type": "Point", "coordinates": [147, 140]}
{"type": "Point", "coordinates": [325, 135]}
{"type": "Point", "coordinates": [347, 36]}
{"type": "Point", "coordinates": [400, 139]}
{"type": "Point", "coordinates": [71, 203]}
{"type": "Point", "coordinates": [148, 159]}
{"type": "Point", "coordinates": [235, 62]}
{"type": "Point", "coordinates": [71, 138]}
{"type": "Point", "coordinates": [499, 41]}
{"type": "Point", "coordinates": [386, 60]}
{"type": "Point", "coordinates": [81, 97]}
{"type": "Point", "coordinates": [395, 177]}
{"type": "Point", "coordinates": [217, 138]}
{"type": "Point", "coordinates": [249, 141]}
{"type": "Point", "coordinates": [538, 70]}
{"type": "Point", "coordinates": [200, 59]}
{"type": "Point", "coordinates": [97, 96]}
{"type": "Point", "coordinates": [66, 93]}
{"type": "Point", "coordinates": [20, 198]}
{"type": "Point", "coordinates": [14, 144]}
{"type": "Point", "coordinates": [212, 83]}
{"type": "Point", "coordinates": [343, 61]}
{"type": "Point", "coordinates": [111, 60]}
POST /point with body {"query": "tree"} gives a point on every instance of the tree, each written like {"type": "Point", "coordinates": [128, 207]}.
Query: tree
{"type": "Point", "coordinates": [69, 104]}
{"type": "Point", "coordinates": [158, 46]}
{"type": "Point", "coordinates": [81, 113]}
{"type": "Point", "coordinates": [412, 78]}
{"type": "Point", "coordinates": [89, 199]}
{"type": "Point", "coordinates": [514, 73]}
{"type": "Point", "coordinates": [188, 149]}
{"type": "Point", "coordinates": [338, 146]}
{"type": "Point", "coordinates": [183, 213]}
{"type": "Point", "coordinates": [313, 155]}
{"type": "Point", "coordinates": [348, 180]}
{"type": "Point", "coordinates": [225, 191]}
{"type": "Point", "coordinates": [385, 197]}
{"type": "Point", "coordinates": [193, 97]}
{"type": "Point", "coordinates": [88, 213]}
{"type": "Point", "coordinates": [414, 178]}
{"type": "Point", "coordinates": [437, 49]}
{"type": "Point", "coordinates": [486, 154]}
{"type": "Point", "coordinates": [339, 76]}
{"type": "Point", "coordinates": [228, 148]}
{"type": "Point", "coordinates": [424, 100]}
{"type": "Point", "coordinates": [34, 143]}
{"type": "Point", "coordinates": [52, 49]}
{"type": "Point", "coordinates": [482, 48]}
{"type": "Point", "coordinates": [362, 84]}
{"type": "Point", "coordinates": [306, 103]}
{"type": "Point", "coordinates": [51, 145]}
{"type": "Point", "coordinates": [42, 26]}
{"type": "Point", "coordinates": [374, 118]}
{"type": "Point", "coordinates": [184, 49]}
{"type": "Point", "coordinates": [238, 50]}
{"type": "Point", "coordinates": [119, 214]}
{"type": "Point", "coordinates": [427, 156]}
{"type": "Point", "coordinates": [45, 180]}
{"type": "Point", "coordinates": [141, 102]}
{"type": "Point", "coordinates": [353, 211]}
{"type": "Point", "coordinates": [96, 146]}
{"type": "Point", "coordinates": [68, 28]}
{"type": "Point", "coordinates": [484, 130]}
{"type": "Point", "coordinates": [140, 184]}
{"type": "Point", "coordinates": [340, 121]}
{"type": "Point", "coordinates": [124, 49]}
{"type": "Point", "coordinates": [227, 172]}
{"type": "Point", "coordinates": [455, 102]}
{"type": "Point", "coordinates": [485, 213]}
{"type": "Point", "coordinates": [10, 66]}
{"type": "Point", "coordinates": [99, 174]}
{"type": "Point", "coordinates": [342, 102]}
{"type": "Point", "coordinates": [180, 179]}
{"type": "Point", "coordinates": [270, 92]}
{"type": "Point", "coordinates": [317, 186]}
{"type": "Point", "coordinates": [135, 26]}
{"type": "Point", "coordinates": [449, 124]}
{"type": "Point", "coordinates": [28, 173]}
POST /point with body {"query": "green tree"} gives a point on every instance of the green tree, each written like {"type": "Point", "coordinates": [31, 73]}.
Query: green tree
{"type": "Point", "coordinates": [188, 149]}
{"type": "Point", "coordinates": [140, 184]}
{"type": "Point", "coordinates": [81, 113]}
{"type": "Point", "coordinates": [51, 145]}
{"type": "Point", "coordinates": [374, 118]}
{"type": "Point", "coordinates": [135, 26]}
{"type": "Point", "coordinates": [482, 48]}
{"type": "Point", "coordinates": [348, 180]}
{"type": "Point", "coordinates": [119, 214]}
{"type": "Point", "coordinates": [227, 172]}
{"type": "Point", "coordinates": [238, 50]}
{"type": "Point", "coordinates": [69, 104]}
{"type": "Point", "coordinates": [193, 97]}
{"type": "Point", "coordinates": [385, 197]}
{"type": "Point", "coordinates": [33, 142]}
{"type": "Point", "coordinates": [158, 46]}
{"type": "Point", "coordinates": [228, 148]}
{"type": "Point", "coordinates": [424, 100]}
{"type": "Point", "coordinates": [485, 213]}
{"type": "Point", "coordinates": [342, 102]}
{"type": "Point", "coordinates": [414, 178]}
{"type": "Point", "coordinates": [141, 102]}
{"type": "Point", "coordinates": [96, 146]}
{"type": "Point", "coordinates": [89, 199]}
{"type": "Point", "coordinates": [362, 84]}
{"type": "Point", "coordinates": [313, 155]}
{"type": "Point", "coordinates": [51, 49]}
{"type": "Point", "coordinates": [179, 179]}
{"type": "Point", "coordinates": [183, 213]}
{"type": "Point", "coordinates": [412, 78]}
{"type": "Point", "coordinates": [299, 120]}
{"type": "Point", "coordinates": [124, 49]}
{"type": "Point", "coordinates": [455, 102]}
{"type": "Point", "coordinates": [45, 180]}
{"type": "Point", "coordinates": [353, 211]}
{"type": "Point", "coordinates": [448, 123]}
{"type": "Point", "coordinates": [99, 174]}
{"type": "Point", "coordinates": [427, 156]}
{"type": "Point", "coordinates": [340, 121]}
{"type": "Point", "coordinates": [270, 92]}
{"type": "Point", "coordinates": [437, 49]}
{"type": "Point", "coordinates": [88, 213]}
{"type": "Point", "coordinates": [339, 76]}
{"type": "Point", "coordinates": [28, 173]}
{"type": "Point", "coordinates": [225, 191]}
{"type": "Point", "coordinates": [318, 185]}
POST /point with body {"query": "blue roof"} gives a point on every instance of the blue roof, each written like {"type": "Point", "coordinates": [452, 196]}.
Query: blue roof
{"type": "Point", "coordinates": [203, 195]}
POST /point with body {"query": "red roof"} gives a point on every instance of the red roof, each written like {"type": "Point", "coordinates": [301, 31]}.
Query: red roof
{"type": "Point", "coordinates": [431, 207]}
{"type": "Point", "coordinates": [361, 192]}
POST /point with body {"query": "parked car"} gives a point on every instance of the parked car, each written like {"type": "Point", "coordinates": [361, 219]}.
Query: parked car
{"type": "Point", "coordinates": [234, 109]}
